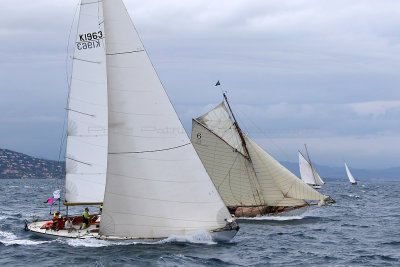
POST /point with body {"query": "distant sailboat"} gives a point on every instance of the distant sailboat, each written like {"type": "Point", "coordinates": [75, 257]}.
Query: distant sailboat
{"type": "Point", "coordinates": [351, 178]}
{"type": "Point", "coordinates": [250, 181]}
{"type": "Point", "coordinates": [127, 149]}
{"type": "Point", "coordinates": [307, 171]}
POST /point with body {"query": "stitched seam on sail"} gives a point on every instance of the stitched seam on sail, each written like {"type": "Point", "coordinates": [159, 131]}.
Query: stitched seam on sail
{"type": "Point", "coordinates": [148, 151]}
{"type": "Point", "coordinates": [128, 52]}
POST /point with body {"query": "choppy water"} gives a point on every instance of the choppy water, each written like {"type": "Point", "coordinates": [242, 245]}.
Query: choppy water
{"type": "Point", "coordinates": [362, 229]}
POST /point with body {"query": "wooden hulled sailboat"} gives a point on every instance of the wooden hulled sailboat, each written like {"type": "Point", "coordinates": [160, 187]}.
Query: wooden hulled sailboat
{"type": "Point", "coordinates": [349, 175]}
{"type": "Point", "coordinates": [307, 171]}
{"type": "Point", "coordinates": [250, 181]}
{"type": "Point", "coordinates": [126, 146]}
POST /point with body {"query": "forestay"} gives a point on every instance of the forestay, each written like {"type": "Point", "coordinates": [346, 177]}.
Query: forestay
{"type": "Point", "coordinates": [86, 152]}
{"type": "Point", "coordinates": [156, 185]}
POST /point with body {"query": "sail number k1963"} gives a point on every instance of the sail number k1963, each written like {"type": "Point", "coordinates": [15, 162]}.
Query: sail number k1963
{"type": "Point", "coordinates": [89, 40]}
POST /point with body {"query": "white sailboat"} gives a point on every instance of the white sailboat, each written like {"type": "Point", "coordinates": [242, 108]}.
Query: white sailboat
{"type": "Point", "coordinates": [307, 171]}
{"type": "Point", "coordinates": [126, 146]}
{"type": "Point", "coordinates": [351, 178]}
{"type": "Point", "coordinates": [250, 181]}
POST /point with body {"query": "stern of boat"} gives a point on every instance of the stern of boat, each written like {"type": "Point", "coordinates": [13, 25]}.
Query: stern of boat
{"type": "Point", "coordinates": [226, 233]}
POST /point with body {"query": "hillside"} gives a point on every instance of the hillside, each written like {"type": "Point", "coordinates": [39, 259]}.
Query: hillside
{"type": "Point", "coordinates": [14, 165]}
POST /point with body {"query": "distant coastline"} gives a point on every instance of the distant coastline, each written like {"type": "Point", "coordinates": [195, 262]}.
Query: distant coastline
{"type": "Point", "coordinates": [14, 165]}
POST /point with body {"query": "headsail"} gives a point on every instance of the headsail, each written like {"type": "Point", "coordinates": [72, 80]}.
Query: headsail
{"type": "Point", "coordinates": [286, 181]}
{"type": "Point", "coordinates": [86, 153]}
{"type": "Point", "coordinates": [156, 185]}
{"type": "Point", "coordinates": [351, 178]}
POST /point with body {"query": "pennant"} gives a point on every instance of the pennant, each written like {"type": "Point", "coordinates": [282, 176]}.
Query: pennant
{"type": "Point", "coordinates": [50, 200]}
{"type": "Point", "coordinates": [217, 83]}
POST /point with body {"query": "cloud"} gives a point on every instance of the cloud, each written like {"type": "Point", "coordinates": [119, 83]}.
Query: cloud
{"type": "Point", "coordinates": [306, 69]}
{"type": "Point", "coordinates": [375, 108]}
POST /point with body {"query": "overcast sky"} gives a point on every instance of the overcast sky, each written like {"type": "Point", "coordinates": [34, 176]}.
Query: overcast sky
{"type": "Point", "coordinates": [325, 73]}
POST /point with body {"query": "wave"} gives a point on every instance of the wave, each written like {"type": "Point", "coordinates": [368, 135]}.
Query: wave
{"type": "Point", "coordinates": [8, 239]}
{"type": "Point", "coordinates": [273, 218]}
{"type": "Point", "coordinates": [200, 237]}
{"type": "Point", "coordinates": [92, 242]}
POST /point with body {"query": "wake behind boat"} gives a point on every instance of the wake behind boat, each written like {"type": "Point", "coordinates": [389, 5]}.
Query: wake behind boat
{"type": "Point", "coordinates": [120, 151]}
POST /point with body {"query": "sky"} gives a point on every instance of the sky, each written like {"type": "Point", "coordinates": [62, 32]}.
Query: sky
{"type": "Point", "coordinates": [324, 73]}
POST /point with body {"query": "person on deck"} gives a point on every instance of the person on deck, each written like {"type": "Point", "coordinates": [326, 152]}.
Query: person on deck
{"type": "Point", "coordinates": [55, 219]}
{"type": "Point", "coordinates": [60, 223]}
{"type": "Point", "coordinates": [85, 219]}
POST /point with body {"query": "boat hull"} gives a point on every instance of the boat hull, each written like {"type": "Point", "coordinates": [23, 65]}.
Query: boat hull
{"type": "Point", "coordinates": [255, 211]}
{"type": "Point", "coordinates": [221, 235]}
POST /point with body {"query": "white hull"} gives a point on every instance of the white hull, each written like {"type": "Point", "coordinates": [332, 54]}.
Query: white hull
{"type": "Point", "coordinates": [220, 235]}
{"type": "Point", "coordinates": [73, 232]}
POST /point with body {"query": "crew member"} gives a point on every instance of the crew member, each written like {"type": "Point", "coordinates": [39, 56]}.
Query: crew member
{"type": "Point", "coordinates": [85, 218]}
{"type": "Point", "coordinates": [55, 219]}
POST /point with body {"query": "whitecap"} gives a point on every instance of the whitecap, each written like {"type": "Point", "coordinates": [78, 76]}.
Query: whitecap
{"type": "Point", "coordinates": [199, 237]}
{"type": "Point", "coordinates": [8, 239]}
{"type": "Point", "coordinates": [273, 218]}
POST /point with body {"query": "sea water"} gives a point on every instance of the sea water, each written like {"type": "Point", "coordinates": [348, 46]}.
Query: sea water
{"type": "Point", "coordinates": [361, 229]}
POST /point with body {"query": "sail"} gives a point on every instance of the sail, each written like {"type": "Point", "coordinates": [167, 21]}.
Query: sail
{"type": "Point", "coordinates": [291, 186]}
{"type": "Point", "coordinates": [307, 172]}
{"type": "Point", "coordinates": [219, 121]}
{"type": "Point", "coordinates": [229, 169]}
{"type": "Point", "coordinates": [156, 185]}
{"type": "Point", "coordinates": [351, 178]}
{"type": "Point", "coordinates": [86, 151]}
{"type": "Point", "coordinates": [233, 174]}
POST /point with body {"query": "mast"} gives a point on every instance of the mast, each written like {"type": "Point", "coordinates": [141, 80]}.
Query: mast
{"type": "Point", "coordinates": [244, 145]}
{"type": "Point", "coordinates": [312, 168]}
{"type": "Point", "coordinates": [238, 128]}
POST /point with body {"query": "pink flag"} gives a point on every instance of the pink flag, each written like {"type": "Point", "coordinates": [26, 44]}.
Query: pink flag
{"type": "Point", "coordinates": [50, 200]}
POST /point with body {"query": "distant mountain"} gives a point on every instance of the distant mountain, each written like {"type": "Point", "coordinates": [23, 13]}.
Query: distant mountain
{"type": "Point", "coordinates": [14, 165]}
{"type": "Point", "coordinates": [340, 172]}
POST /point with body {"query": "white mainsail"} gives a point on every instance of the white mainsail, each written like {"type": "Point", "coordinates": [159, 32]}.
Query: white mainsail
{"type": "Point", "coordinates": [86, 151]}
{"type": "Point", "coordinates": [241, 182]}
{"type": "Point", "coordinates": [156, 184]}
{"type": "Point", "coordinates": [351, 178]}
{"type": "Point", "coordinates": [308, 173]}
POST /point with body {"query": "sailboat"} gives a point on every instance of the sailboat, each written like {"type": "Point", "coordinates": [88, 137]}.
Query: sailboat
{"type": "Point", "coordinates": [307, 171]}
{"type": "Point", "coordinates": [250, 181]}
{"type": "Point", "coordinates": [126, 148]}
{"type": "Point", "coordinates": [351, 178]}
